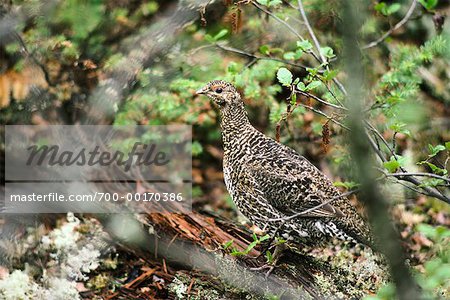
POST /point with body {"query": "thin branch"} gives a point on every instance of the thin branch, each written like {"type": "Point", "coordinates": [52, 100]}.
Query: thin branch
{"type": "Point", "coordinates": [410, 187]}
{"type": "Point", "coordinates": [291, 29]}
{"type": "Point", "coordinates": [316, 42]}
{"type": "Point", "coordinates": [296, 215]}
{"type": "Point", "coordinates": [319, 112]}
{"type": "Point", "coordinates": [428, 190]}
{"type": "Point", "coordinates": [397, 26]}
{"type": "Point", "coordinates": [250, 55]}
{"type": "Point", "coordinates": [420, 174]}
{"type": "Point", "coordinates": [321, 100]}
{"type": "Point", "coordinates": [310, 30]}
{"type": "Point", "coordinates": [338, 84]}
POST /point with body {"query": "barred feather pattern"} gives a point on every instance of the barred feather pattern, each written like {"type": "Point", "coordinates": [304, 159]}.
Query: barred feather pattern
{"type": "Point", "coordinates": [270, 182]}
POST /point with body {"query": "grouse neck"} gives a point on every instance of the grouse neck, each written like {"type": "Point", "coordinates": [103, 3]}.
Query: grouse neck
{"type": "Point", "coordinates": [234, 118]}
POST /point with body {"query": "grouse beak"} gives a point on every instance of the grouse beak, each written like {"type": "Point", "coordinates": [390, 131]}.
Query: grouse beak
{"type": "Point", "coordinates": [201, 91]}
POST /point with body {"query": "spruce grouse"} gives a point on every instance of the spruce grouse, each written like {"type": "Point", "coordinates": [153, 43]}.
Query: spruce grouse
{"type": "Point", "coordinates": [269, 182]}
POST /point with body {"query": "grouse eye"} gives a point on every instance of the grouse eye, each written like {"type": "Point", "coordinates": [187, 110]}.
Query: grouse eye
{"type": "Point", "coordinates": [218, 90]}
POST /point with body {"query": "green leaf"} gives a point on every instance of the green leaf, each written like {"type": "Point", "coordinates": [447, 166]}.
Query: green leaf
{"type": "Point", "coordinates": [284, 76]}
{"type": "Point", "coordinates": [236, 252]}
{"type": "Point", "coordinates": [304, 45]}
{"type": "Point", "coordinates": [327, 52]}
{"type": "Point", "coordinates": [269, 3]}
{"type": "Point", "coordinates": [264, 49]}
{"type": "Point", "coordinates": [386, 9]}
{"type": "Point", "coordinates": [293, 55]}
{"type": "Point", "coordinates": [233, 68]}
{"type": "Point", "coordinates": [427, 230]}
{"type": "Point", "coordinates": [329, 74]}
{"type": "Point", "coordinates": [12, 48]}
{"type": "Point", "coordinates": [294, 99]}
{"type": "Point", "coordinates": [269, 256]}
{"type": "Point", "coordinates": [264, 238]}
{"type": "Point", "coordinates": [434, 150]}
{"type": "Point", "coordinates": [228, 244]}
{"type": "Point", "coordinates": [447, 146]}
{"type": "Point", "coordinates": [393, 8]}
{"type": "Point", "coordinates": [289, 56]}
{"type": "Point", "coordinates": [433, 182]}
{"type": "Point", "coordinates": [197, 148]}
{"type": "Point", "coordinates": [392, 165]}
{"type": "Point", "coordinates": [274, 2]}
{"type": "Point", "coordinates": [313, 85]}
{"type": "Point", "coordinates": [250, 247]}
{"type": "Point", "coordinates": [312, 71]}
{"type": "Point", "coordinates": [400, 127]}
{"type": "Point", "coordinates": [301, 86]}
{"type": "Point", "coordinates": [434, 168]}
{"type": "Point", "coordinates": [209, 38]}
{"type": "Point", "coordinates": [221, 34]}
{"type": "Point", "coordinates": [380, 7]}
{"type": "Point", "coordinates": [428, 4]}
{"type": "Point", "coordinates": [346, 184]}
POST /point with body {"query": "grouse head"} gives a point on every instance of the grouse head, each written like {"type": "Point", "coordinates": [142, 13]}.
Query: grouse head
{"type": "Point", "coordinates": [221, 92]}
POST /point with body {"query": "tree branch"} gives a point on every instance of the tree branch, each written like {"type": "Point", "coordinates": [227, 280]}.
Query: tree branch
{"type": "Point", "coordinates": [310, 30]}
{"type": "Point", "coordinates": [397, 26]}
{"type": "Point", "coordinates": [376, 205]}
{"type": "Point", "coordinates": [321, 100]}
{"type": "Point", "coordinates": [257, 57]}
{"type": "Point", "coordinates": [421, 174]}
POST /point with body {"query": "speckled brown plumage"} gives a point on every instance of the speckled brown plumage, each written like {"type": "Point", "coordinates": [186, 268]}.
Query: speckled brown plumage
{"type": "Point", "coordinates": [268, 180]}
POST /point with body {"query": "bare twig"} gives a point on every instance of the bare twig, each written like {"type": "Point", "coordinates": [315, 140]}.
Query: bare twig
{"type": "Point", "coordinates": [318, 99]}
{"type": "Point", "coordinates": [397, 26]}
{"type": "Point", "coordinates": [291, 29]}
{"type": "Point", "coordinates": [310, 30]}
{"type": "Point", "coordinates": [420, 174]}
{"type": "Point", "coordinates": [316, 43]}
{"type": "Point", "coordinates": [319, 112]}
{"type": "Point", "coordinates": [250, 55]}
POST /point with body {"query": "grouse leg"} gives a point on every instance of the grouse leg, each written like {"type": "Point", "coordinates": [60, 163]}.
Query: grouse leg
{"type": "Point", "coordinates": [277, 254]}
{"type": "Point", "coordinates": [270, 241]}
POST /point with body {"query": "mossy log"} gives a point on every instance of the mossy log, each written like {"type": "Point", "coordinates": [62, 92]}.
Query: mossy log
{"type": "Point", "coordinates": [193, 243]}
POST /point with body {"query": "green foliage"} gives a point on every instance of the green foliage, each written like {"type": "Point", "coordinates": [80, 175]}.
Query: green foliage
{"type": "Point", "coordinates": [197, 148]}
{"type": "Point", "coordinates": [397, 90]}
{"type": "Point", "coordinates": [429, 4]}
{"type": "Point", "coordinates": [394, 163]}
{"type": "Point", "coordinates": [304, 45]}
{"type": "Point", "coordinates": [435, 169]}
{"type": "Point", "coordinates": [434, 150]}
{"type": "Point", "coordinates": [310, 86]}
{"type": "Point", "coordinates": [69, 14]}
{"type": "Point", "coordinates": [164, 93]}
{"type": "Point", "coordinates": [387, 9]}
{"type": "Point", "coordinates": [269, 3]}
{"type": "Point", "coordinates": [256, 241]}
{"type": "Point", "coordinates": [327, 52]}
{"type": "Point", "coordinates": [284, 76]}
{"type": "Point", "coordinates": [217, 37]}
{"type": "Point", "coordinates": [350, 185]}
